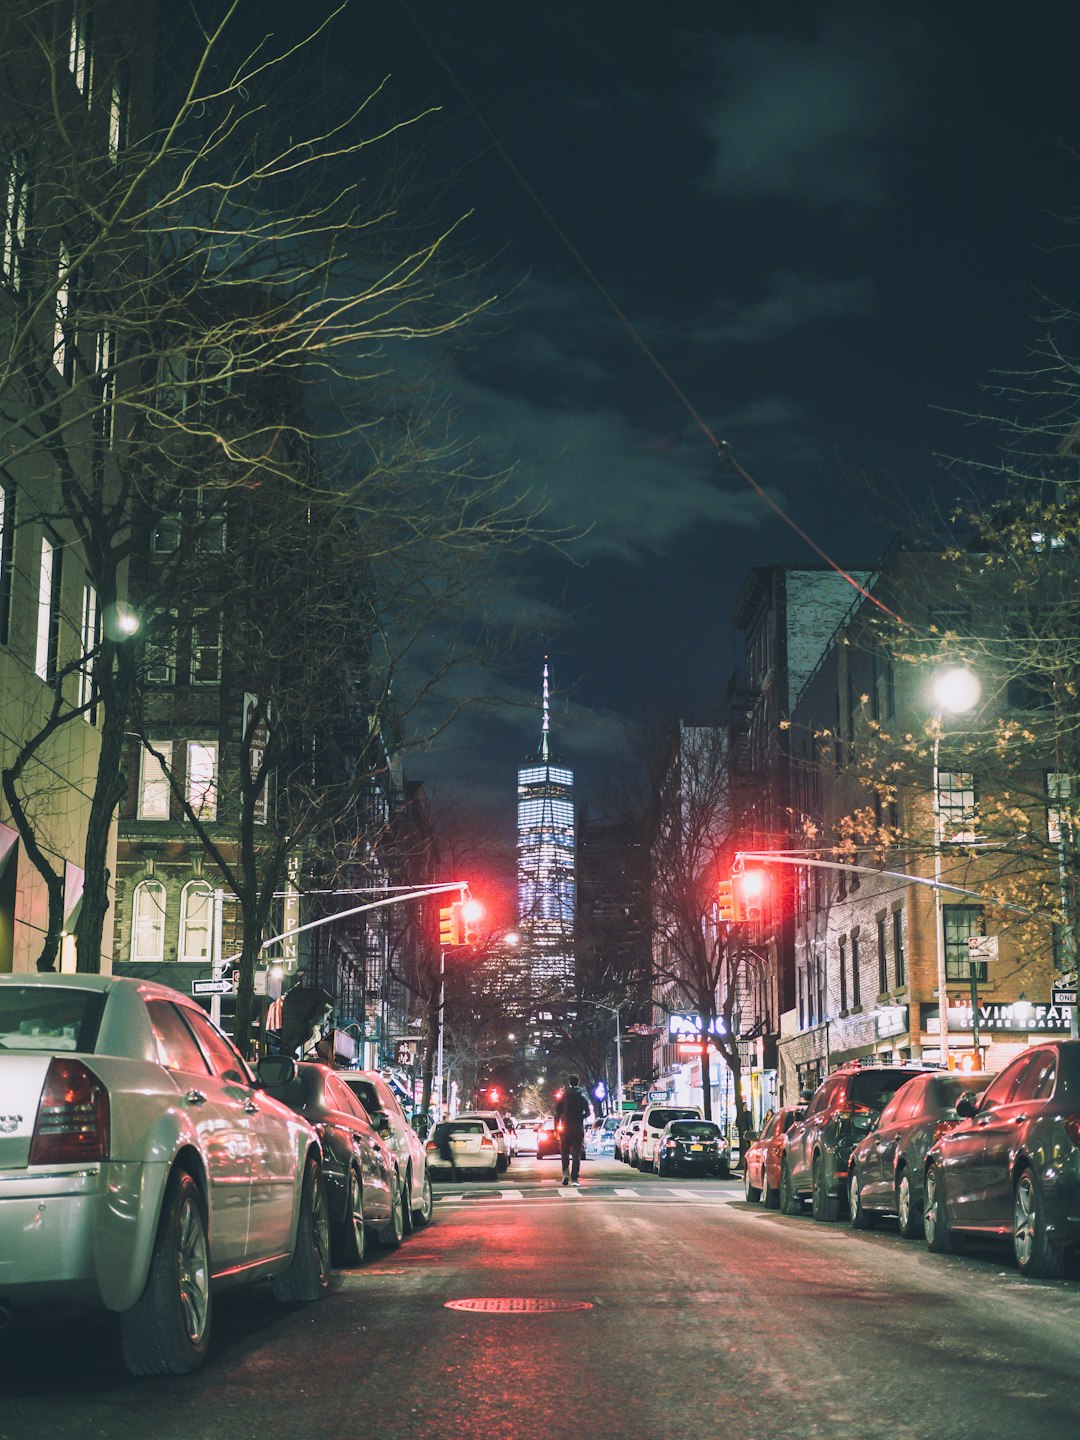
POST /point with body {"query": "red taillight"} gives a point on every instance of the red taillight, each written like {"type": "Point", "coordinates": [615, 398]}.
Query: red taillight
{"type": "Point", "coordinates": [488, 1141]}
{"type": "Point", "coordinates": [73, 1116]}
{"type": "Point", "coordinates": [1072, 1128]}
{"type": "Point", "coordinates": [431, 1145]}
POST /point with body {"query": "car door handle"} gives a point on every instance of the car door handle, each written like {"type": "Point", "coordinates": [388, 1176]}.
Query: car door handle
{"type": "Point", "coordinates": [1019, 1119]}
{"type": "Point", "coordinates": [250, 1108]}
{"type": "Point", "coordinates": [195, 1097]}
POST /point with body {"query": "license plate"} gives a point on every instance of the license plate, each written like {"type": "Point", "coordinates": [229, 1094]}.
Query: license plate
{"type": "Point", "coordinates": [697, 1147]}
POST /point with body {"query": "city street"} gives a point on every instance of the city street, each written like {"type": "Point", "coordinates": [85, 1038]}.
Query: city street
{"type": "Point", "coordinates": [669, 1309]}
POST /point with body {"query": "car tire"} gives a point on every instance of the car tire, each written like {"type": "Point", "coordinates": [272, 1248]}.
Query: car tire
{"type": "Point", "coordinates": [908, 1214]}
{"type": "Point", "coordinates": [861, 1218]}
{"type": "Point", "coordinates": [723, 1171]}
{"type": "Point", "coordinates": [407, 1211]}
{"type": "Point", "coordinates": [790, 1202]}
{"type": "Point", "coordinates": [351, 1237]}
{"type": "Point", "coordinates": [167, 1330]}
{"type": "Point", "coordinates": [751, 1192]}
{"type": "Point", "coordinates": [393, 1232]}
{"type": "Point", "coordinates": [1036, 1256]}
{"type": "Point", "coordinates": [307, 1276]}
{"type": "Point", "coordinates": [939, 1235]}
{"type": "Point", "coordinates": [771, 1195]}
{"type": "Point", "coordinates": [825, 1206]}
{"type": "Point", "coordinates": [423, 1212]}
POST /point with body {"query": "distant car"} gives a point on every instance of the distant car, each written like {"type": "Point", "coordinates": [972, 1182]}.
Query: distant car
{"type": "Point", "coordinates": [653, 1121]}
{"type": "Point", "coordinates": [472, 1149]}
{"type": "Point", "coordinates": [761, 1164]}
{"type": "Point", "coordinates": [603, 1141]}
{"type": "Point", "coordinates": [526, 1136]}
{"type": "Point", "coordinates": [843, 1109]}
{"type": "Point", "coordinates": [886, 1175]}
{"type": "Point", "coordinates": [692, 1147]}
{"type": "Point", "coordinates": [620, 1138]}
{"type": "Point", "coordinates": [1010, 1168]}
{"type": "Point", "coordinates": [547, 1140]}
{"type": "Point", "coordinates": [493, 1119]}
{"type": "Point", "coordinates": [631, 1134]}
{"type": "Point", "coordinates": [390, 1120]}
{"type": "Point", "coordinates": [365, 1188]}
{"type": "Point", "coordinates": [142, 1167]}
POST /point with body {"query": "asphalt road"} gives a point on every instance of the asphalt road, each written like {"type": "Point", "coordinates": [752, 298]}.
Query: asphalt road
{"type": "Point", "coordinates": [640, 1308]}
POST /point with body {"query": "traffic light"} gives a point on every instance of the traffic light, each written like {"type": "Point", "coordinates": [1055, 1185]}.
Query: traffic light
{"type": "Point", "coordinates": [725, 899]}
{"type": "Point", "coordinates": [471, 912]}
{"type": "Point", "coordinates": [450, 925]}
{"type": "Point", "coordinates": [750, 887]}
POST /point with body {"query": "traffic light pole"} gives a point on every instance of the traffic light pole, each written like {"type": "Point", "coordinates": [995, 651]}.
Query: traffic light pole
{"type": "Point", "coordinates": [439, 1043]}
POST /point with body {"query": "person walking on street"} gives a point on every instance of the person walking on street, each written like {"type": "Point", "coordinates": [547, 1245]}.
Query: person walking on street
{"type": "Point", "coordinates": [571, 1112]}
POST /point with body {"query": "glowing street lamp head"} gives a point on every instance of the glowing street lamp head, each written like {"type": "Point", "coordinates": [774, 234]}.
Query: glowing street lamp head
{"type": "Point", "coordinates": [957, 689]}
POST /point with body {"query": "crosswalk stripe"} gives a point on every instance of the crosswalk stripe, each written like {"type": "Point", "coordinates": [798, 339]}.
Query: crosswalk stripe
{"type": "Point", "coordinates": [568, 1194]}
{"type": "Point", "coordinates": [629, 1194]}
{"type": "Point", "coordinates": [512, 1194]}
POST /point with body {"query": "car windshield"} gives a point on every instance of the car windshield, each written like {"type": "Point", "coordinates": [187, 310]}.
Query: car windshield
{"type": "Point", "coordinates": [49, 1017]}
{"type": "Point", "coordinates": [876, 1090]}
{"type": "Point", "coordinates": [694, 1130]}
{"type": "Point", "coordinates": [659, 1118]}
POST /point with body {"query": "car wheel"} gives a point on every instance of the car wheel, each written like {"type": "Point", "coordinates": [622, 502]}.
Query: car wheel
{"type": "Point", "coordinates": [752, 1192]}
{"type": "Point", "coordinates": [393, 1232]}
{"type": "Point", "coordinates": [351, 1241]}
{"type": "Point", "coordinates": [167, 1330]}
{"type": "Point", "coordinates": [424, 1211]}
{"type": "Point", "coordinates": [723, 1170]}
{"type": "Point", "coordinates": [861, 1219]}
{"type": "Point", "coordinates": [1035, 1254]}
{"type": "Point", "coordinates": [770, 1194]}
{"type": "Point", "coordinates": [939, 1236]}
{"type": "Point", "coordinates": [825, 1206]}
{"type": "Point", "coordinates": [407, 1205]}
{"type": "Point", "coordinates": [308, 1274]}
{"type": "Point", "coordinates": [909, 1217]}
{"type": "Point", "coordinates": [790, 1203]}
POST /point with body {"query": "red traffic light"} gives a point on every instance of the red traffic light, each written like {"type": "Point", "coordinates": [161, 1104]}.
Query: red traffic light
{"type": "Point", "coordinates": [471, 912]}
{"type": "Point", "coordinates": [750, 888]}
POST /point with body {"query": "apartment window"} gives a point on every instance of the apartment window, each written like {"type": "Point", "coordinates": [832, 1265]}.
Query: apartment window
{"type": "Point", "coordinates": [47, 644]}
{"type": "Point", "coordinates": [166, 537]}
{"type": "Point", "coordinates": [154, 782]}
{"type": "Point", "coordinates": [173, 382]}
{"type": "Point", "coordinates": [80, 54]}
{"type": "Point", "coordinates": [842, 951]}
{"type": "Point", "coordinates": [856, 978]}
{"type": "Point", "coordinates": [15, 218]}
{"type": "Point", "coordinates": [882, 957]}
{"type": "Point", "coordinates": [819, 970]}
{"type": "Point", "coordinates": [119, 110]}
{"type": "Point", "coordinates": [210, 520]}
{"type": "Point", "coordinates": [63, 338]}
{"type": "Point", "coordinates": [206, 648]}
{"type": "Point", "coordinates": [1061, 797]}
{"type": "Point", "coordinates": [202, 778]}
{"type": "Point", "coordinates": [89, 638]}
{"type": "Point", "coordinates": [159, 655]}
{"type": "Point", "coordinates": [148, 922]}
{"type": "Point", "coordinates": [105, 369]}
{"type": "Point", "coordinates": [884, 693]}
{"type": "Point", "coordinates": [898, 947]}
{"type": "Point", "coordinates": [959, 922]}
{"type": "Point", "coordinates": [196, 921]}
{"type": "Point", "coordinates": [956, 806]}
{"type": "Point", "coordinates": [7, 555]}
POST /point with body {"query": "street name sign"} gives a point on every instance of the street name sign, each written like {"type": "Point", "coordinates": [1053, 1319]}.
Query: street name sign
{"type": "Point", "coordinates": [211, 987]}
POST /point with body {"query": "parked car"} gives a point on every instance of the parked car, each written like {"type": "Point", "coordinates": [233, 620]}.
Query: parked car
{"type": "Point", "coordinates": [886, 1172]}
{"type": "Point", "coordinates": [653, 1121]}
{"type": "Point", "coordinates": [493, 1119]}
{"type": "Point", "coordinates": [526, 1136]}
{"type": "Point", "coordinates": [1010, 1167]}
{"type": "Point", "coordinates": [696, 1147]}
{"type": "Point", "coordinates": [142, 1168]}
{"type": "Point", "coordinates": [365, 1188]}
{"type": "Point", "coordinates": [603, 1141]}
{"type": "Point", "coordinates": [464, 1144]}
{"type": "Point", "coordinates": [547, 1140]}
{"type": "Point", "coordinates": [761, 1164]}
{"type": "Point", "coordinates": [843, 1108]}
{"type": "Point", "coordinates": [382, 1105]}
{"type": "Point", "coordinates": [622, 1132]}
{"type": "Point", "coordinates": [631, 1137]}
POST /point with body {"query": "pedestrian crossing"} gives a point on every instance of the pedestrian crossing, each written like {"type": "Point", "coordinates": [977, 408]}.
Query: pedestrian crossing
{"type": "Point", "coordinates": [511, 1194]}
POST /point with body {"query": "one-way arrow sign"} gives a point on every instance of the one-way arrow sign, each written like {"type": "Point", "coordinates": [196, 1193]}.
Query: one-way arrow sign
{"type": "Point", "coordinates": [211, 987]}
{"type": "Point", "coordinates": [1063, 997]}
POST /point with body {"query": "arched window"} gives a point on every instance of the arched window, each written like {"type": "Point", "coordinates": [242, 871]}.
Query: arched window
{"type": "Point", "coordinates": [196, 921]}
{"type": "Point", "coordinates": [148, 922]}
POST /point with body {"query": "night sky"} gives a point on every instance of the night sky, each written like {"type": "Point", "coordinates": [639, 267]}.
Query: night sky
{"type": "Point", "coordinates": [833, 225]}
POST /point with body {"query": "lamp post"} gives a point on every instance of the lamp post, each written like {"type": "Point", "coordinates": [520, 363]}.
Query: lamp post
{"type": "Point", "coordinates": [956, 691]}
{"type": "Point", "coordinates": [614, 1009]}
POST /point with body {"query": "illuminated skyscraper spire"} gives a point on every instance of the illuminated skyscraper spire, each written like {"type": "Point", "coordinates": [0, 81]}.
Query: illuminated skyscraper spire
{"type": "Point", "coordinates": [546, 726]}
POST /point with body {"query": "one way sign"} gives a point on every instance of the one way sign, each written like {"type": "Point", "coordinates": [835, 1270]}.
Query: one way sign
{"type": "Point", "coordinates": [211, 987]}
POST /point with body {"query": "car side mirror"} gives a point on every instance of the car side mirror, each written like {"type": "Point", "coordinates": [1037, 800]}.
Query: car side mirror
{"type": "Point", "coordinates": [967, 1104]}
{"type": "Point", "coordinates": [275, 1070]}
{"type": "Point", "coordinates": [382, 1122]}
{"type": "Point", "coordinates": [806, 1093]}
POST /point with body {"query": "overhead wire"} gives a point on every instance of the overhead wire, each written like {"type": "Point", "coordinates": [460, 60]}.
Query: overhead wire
{"type": "Point", "coordinates": [722, 448]}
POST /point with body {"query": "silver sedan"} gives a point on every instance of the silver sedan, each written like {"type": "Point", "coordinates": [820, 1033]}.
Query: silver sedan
{"type": "Point", "coordinates": [141, 1167]}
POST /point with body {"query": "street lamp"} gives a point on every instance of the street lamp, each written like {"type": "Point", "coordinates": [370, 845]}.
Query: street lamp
{"type": "Point", "coordinates": [614, 1009]}
{"type": "Point", "coordinates": [956, 691]}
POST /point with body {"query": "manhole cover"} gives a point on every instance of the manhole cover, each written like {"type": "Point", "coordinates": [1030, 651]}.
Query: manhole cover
{"type": "Point", "coordinates": [528, 1305]}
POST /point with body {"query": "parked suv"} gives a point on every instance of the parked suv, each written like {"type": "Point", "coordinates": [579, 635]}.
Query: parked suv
{"type": "Point", "coordinates": [844, 1108]}
{"type": "Point", "coordinates": [653, 1123]}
